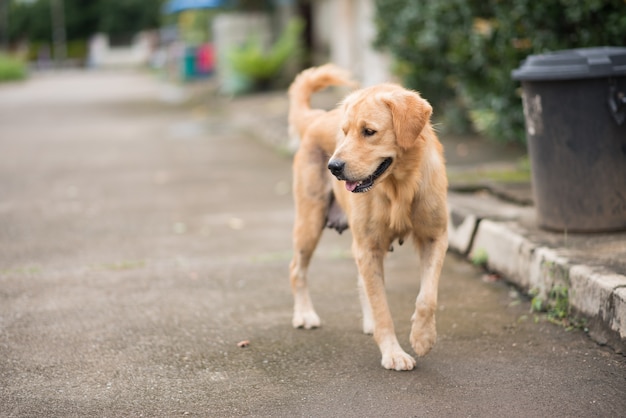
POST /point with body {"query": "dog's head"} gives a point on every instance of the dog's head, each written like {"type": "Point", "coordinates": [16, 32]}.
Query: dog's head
{"type": "Point", "coordinates": [379, 124]}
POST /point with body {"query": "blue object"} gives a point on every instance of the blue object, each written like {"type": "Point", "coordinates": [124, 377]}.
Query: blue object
{"type": "Point", "coordinates": [175, 6]}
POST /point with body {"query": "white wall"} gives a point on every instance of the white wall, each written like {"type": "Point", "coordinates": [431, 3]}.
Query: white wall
{"type": "Point", "coordinates": [346, 29]}
{"type": "Point", "coordinates": [139, 53]}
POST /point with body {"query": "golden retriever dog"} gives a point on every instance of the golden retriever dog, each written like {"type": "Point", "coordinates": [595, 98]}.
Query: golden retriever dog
{"type": "Point", "coordinates": [375, 165]}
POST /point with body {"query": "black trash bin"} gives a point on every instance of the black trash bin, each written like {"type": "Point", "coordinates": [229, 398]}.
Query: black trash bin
{"type": "Point", "coordinates": [575, 110]}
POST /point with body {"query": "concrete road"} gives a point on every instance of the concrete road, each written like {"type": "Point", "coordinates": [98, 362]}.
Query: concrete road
{"type": "Point", "coordinates": [140, 242]}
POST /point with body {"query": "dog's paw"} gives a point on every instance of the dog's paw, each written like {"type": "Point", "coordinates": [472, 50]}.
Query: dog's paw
{"type": "Point", "coordinates": [398, 360]}
{"type": "Point", "coordinates": [306, 320]}
{"type": "Point", "coordinates": [423, 334]}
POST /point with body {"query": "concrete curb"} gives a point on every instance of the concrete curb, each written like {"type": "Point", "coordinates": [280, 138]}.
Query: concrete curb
{"type": "Point", "coordinates": [598, 294]}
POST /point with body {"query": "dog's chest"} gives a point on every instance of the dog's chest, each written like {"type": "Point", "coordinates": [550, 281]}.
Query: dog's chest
{"type": "Point", "coordinates": [394, 214]}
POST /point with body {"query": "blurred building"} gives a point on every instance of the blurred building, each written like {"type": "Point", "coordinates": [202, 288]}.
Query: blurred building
{"type": "Point", "coordinates": [338, 31]}
{"type": "Point", "coordinates": [342, 32]}
{"type": "Point", "coordinates": [136, 53]}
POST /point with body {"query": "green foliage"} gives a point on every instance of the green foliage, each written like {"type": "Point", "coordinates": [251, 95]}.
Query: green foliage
{"type": "Point", "coordinates": [480, 257]}
{"type": "Point", "coordinates": [83, 18]}
{"type": "Point", "coordinates": [77, 49]}
{"type": "Point", "coordinates": [249, 5]}
{"type": "Point", "coordinates": [124, 18]}
{"type": "Point", "coordinates": [460, 53]}
{"type": "Point", "coordinates": [11, 68]}
{"type": "Point", "coordinates": [194, 26]}
{"type": "Point", "coordinates": [260, 66]}
{"type": "Point", "coordinates": [536, 304]}
{"type": "Point", "coordinates": [556, 308]}
{"type": "Point", "coordinates": [539, 303]}
{"type": "Point", "coordinates": [559, 307]}
{"type": "Point", "coordinates": [29, 21]}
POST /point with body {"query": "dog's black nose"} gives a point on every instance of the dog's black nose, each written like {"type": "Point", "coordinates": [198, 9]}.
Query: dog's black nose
{"type": "Point", "coordinates": [336, 167]}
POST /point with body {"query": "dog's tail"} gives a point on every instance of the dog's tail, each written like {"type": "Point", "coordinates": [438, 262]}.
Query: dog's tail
{"type": "Point", "coordinates": [305, 84]}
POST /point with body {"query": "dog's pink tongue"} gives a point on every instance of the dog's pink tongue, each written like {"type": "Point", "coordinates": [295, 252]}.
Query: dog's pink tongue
{"type": "Point", "coordinates": [351, 185]}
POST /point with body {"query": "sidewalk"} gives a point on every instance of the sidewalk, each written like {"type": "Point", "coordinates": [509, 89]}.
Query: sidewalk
{"type": "Point", "coordinates": [492, 218]}
{"type": "Point", "coordinates": [144, 240]}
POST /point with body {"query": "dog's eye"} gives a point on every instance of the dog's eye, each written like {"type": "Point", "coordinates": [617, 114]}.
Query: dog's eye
{"type": "Point", "coordinates": [368, 132]}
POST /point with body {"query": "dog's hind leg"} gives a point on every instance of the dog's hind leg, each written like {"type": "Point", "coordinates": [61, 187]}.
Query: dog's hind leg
{"type": "Point", "coordinates": [304, 315]}
{"type": "Point", "coordinates": [311, 195]}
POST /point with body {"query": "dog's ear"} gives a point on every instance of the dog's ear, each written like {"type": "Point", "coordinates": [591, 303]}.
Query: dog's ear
{"type": "Point", "coordinates": [410, 114]}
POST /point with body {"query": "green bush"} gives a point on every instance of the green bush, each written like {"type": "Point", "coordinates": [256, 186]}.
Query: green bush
{"type": "Point", "coordinates": [11, 68]}
{"type": "Point", "coordinates": [460, 53]}
{"type": "Point", "coordinates": [78, 50]}
{"type": "Point", "coordinates": [260, 67]}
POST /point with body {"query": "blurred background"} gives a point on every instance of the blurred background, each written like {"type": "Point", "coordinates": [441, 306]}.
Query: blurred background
{"type": "Point", "coordinates": [458, 53]}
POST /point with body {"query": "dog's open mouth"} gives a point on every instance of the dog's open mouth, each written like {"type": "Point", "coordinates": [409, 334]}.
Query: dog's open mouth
{"type": "Point", "coordinates": [362, 186]}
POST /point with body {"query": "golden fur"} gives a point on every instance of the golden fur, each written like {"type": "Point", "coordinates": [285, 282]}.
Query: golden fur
{"type": "Point", "coordinates": [389, 183]}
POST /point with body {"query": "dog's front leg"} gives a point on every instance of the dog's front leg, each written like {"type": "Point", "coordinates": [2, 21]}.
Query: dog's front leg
{"type": "Point", "coordinates": [423, 330]}
{"type": "Point", "coordinates": [370, 264]}
{"type": "Point", "coordinates": [366, 309]}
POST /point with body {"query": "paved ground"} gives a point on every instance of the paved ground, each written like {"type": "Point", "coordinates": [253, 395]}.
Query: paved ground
{"type": "Point", "coordinates": [141, 241]}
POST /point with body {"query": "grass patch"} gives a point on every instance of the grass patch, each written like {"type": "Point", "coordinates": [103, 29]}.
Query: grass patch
{"type": "Point", "coordinates": [21, 271]}
{"type": "Point", "coordinates": [518, 172]}
{"type": "Point", "coordinates": [11, 68]}
{"type": "Point", "coordinates": [121, 265]}
{"type": "Point", "coordinates": [480, 257]}
{"type": "Point", "coordinates": [556, 308]}
{"type": "Point", "coordinates": [513, 175]}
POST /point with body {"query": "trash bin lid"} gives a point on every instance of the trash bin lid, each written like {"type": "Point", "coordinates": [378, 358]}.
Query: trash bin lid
{"type": "Point", "coordinates": [573, 64]}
